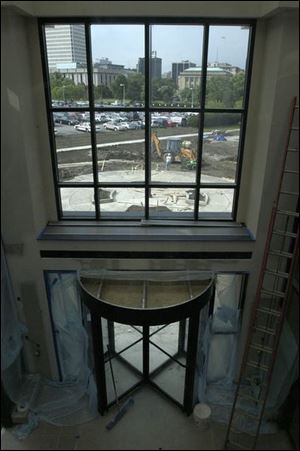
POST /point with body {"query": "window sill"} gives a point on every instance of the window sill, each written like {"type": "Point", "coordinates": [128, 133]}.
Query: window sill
{"type": "Point", "coordinates": [146, 231]}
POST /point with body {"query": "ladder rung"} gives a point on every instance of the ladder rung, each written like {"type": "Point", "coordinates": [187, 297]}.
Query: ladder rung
{"type": "Point", "coordinates": [295, 128]}
{"type": "Point", "coordinates": [265, 330]}
{"type": "Point", "coordinates": [250, 398]}
{"type": "Point", "coordinates": [290, 171]}
{"type": "Point", "coordinates": [281, 254]}
{"type": "Point", "coordinates": [242, 412]}
{"type": "Point", "coordinates": [283, 233]}
{"type": "Point", "coordinates": [288, 213]}
{"type": "Point", "coordinates": [269, 311]}
{"type": "Point", "coordinates": [293, 149]}
{"type": "Point", "coordinates": [262, 348]}
{"type": "Point", "coordinates": [256, 365]}
{"type": "Point", "coordinates": [274, 293]}
{"type": "Point", "coordinates": [285, 275]}
{"type": "Point", "coordinates": [289, 193]}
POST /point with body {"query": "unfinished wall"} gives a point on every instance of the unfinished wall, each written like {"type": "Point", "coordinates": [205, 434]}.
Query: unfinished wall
{"type": "Point", "coordinates": [279, 83]}
{"type": "Point", "coordinates": [22, 194]}
{"type": "Point", "coordinates": [28, 200]}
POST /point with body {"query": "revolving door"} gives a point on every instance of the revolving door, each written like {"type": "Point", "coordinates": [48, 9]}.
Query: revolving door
{"type": "Point", "coordinates": [148, 326]}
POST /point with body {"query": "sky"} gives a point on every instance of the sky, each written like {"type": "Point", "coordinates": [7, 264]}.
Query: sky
{"type": "Point", "coordinates": [124, 44]}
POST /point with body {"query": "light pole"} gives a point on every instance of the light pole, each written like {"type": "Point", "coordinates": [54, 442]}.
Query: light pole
{"type": "Point", "coordinates": [192, 105]}
{"type": "Point", "coordinates": [63, 86]}
{"type": "Point", "coordinates": [123, 86]}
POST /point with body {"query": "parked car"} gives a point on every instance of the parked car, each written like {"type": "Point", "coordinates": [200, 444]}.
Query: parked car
{"type": "Point", "coordinates": [159, 122]}
{"type": "Point", "coordinates": [134, 125]}
{"type": "Point", "coordinates": [116, 126]}
{"type": "Point", "coordinates": [86, 127]}
{"type": "Point", "coordinates": [177, 121]}
{"type": "Point", "coordinates": [64, 118]}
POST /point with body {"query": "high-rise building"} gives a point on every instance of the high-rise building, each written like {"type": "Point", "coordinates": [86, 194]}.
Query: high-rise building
{"type": "Point", "coordinates": [65, 46]}
{"type": "Point", "coordinates": [155, 66]}
{"type": "Point", "coordinates": [177, 68]}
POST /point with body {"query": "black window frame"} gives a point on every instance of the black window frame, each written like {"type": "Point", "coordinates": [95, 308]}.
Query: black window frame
{"type": "Point", "coordinates": [147, 184]}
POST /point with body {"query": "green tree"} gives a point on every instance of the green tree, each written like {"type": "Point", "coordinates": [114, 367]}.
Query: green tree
{"type": "Point", "coordinates": [117, 90]}
{"type": "Point", "coordinates": [238, 87]}
{"type": "Point", "coordinates": [163, 89]}
{"type": "Point", "coordinates": [225, 92]}
{"type": "Point", "coordinates": [103, 92]}
{"type": "Point", "coordinates": [63, 88]}
{"type": "Point", "coordinates": [135, 87]}
{"type": "Point", "coordinates": [219, 89]}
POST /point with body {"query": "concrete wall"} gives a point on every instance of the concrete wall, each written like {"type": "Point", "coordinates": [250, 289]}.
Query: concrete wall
{"type": "Point", "coordinates": [22, 195]}
{"type": "Point", "coordinates": [28, 200]}
{"type": "Point", "coordinates": [153, 8]}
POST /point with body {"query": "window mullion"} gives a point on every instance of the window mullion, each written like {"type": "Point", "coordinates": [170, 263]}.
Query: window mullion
{"type": "Point", "coordinates": [147, 118]}
{"type": "Point", "coordinates": [92, 115]}
{"type": "Point", "coordinates": [201, 119]}
{"type": "Point", "coordinates": [248, 71]}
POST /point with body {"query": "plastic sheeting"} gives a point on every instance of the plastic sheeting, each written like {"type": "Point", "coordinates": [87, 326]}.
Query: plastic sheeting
{"type": "Point", "coordinates": [217, 363]}
{"type": "Point", "coordinates": [71, 401]}
{"type": "Point", "coordinates": [11, 328]}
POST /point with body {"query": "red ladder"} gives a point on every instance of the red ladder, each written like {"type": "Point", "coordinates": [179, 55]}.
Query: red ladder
{"type": "Point", "coordinates": [273, 292]}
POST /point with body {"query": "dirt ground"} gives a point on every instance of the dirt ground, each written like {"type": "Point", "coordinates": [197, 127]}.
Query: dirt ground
{"type": "Point", "coordinates": [219, 158]}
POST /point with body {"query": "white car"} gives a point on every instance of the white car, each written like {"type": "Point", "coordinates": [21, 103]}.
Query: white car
{"type": "Point", "coordinates": [116, 126]}
{"type": "Point", "coordinates": [85, 127]}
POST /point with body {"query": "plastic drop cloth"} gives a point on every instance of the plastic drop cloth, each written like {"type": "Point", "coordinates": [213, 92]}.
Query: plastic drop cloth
{"type": "Point", "coordinates": [11, 328]}
{"type": "Point", "coordinates": [72, 400]}
{"type": "Point", "coordinates": [217, 363]}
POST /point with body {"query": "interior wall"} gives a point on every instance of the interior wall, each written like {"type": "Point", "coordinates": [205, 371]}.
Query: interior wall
{"type": "Point", "coordinates": [279, 83]}
{"type": "Point", "coordinates": [22, 194]}
{"type": "Point", "coordinates": [153, 8]}
{"type": "Point", "coordinates": [28, 200]}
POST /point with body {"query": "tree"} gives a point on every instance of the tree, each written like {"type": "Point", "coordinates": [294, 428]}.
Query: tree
{"type": "Point", "coordinates": [163, 89]}
{"type": "Point", "coordinates": [117, 90]}
{"type": "Point", "coordinates": [103, 92]}
{"type": "Point", "coordinates": [135, 87]}
{"type": "Point", "coordinates": [226, 92]}
{"type": "Point", "coordinates": [63, 88]}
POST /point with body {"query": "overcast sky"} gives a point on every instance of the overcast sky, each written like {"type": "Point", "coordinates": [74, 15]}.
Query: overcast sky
{"type": "Point", "coordinates": [124, 44]}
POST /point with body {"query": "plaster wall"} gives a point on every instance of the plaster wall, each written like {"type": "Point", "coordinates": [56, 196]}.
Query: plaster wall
{"type": "Point", "coordinates": [153, 8]}
{"type": "Point", "coordinates": [279, 83]}
{"type": "Point", "coordinates": [22, 204]}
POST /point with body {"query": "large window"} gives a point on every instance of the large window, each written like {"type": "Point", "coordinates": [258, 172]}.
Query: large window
{"type": "Point", "coordinates": [147, 119]}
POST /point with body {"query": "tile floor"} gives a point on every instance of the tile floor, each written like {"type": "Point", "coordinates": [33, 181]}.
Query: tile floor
{"type": "Point", "coordinates": [153, 422]}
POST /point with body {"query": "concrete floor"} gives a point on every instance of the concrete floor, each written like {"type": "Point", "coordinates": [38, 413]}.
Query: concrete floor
{"type": "Point", "coordinates": [153, 422]}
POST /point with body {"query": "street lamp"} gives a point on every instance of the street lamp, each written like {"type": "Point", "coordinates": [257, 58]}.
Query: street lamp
{"type": "Point", "coordinates": [123, 86]}
{"type": "Point", "coordinates": [63, 86]}
{"type": "Point", "coordinates": [192, 105]}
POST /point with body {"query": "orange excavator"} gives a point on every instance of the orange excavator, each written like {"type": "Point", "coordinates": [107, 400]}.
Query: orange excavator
{"type": "Point", "coordinates": [176, 151]}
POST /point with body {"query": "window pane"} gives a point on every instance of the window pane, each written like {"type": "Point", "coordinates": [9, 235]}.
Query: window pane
{"type": "Point", "coordinates": [214, 201]}
{"type": "Point", "coordinates": [174, 143]}
{"type": "Point", "coordinates": [172, 203]}
{"type": "Point", "coordinates": [227, 56]}
{"type": "Point", "coordinates": [117, 74]}
{"type": "Point", "coordinates": [122, 202]}
{"type": "Point", "coordinates": [73, 146]}
{"type": "Point", "coordinates": [220, 147]}
{"type": "Point", "coordinates": [78, 202]}
{"type": "Point", "coordinates": [66, 53]}
{"type": "Point", "coordinates": [175, 65]}
{"type": "Point", "coordinates": [121, 147]}
{"type": "Point", "coordinates": [170, 377]}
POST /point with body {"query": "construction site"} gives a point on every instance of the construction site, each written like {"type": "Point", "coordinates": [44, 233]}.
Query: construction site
{"type": "Point", "coordinates": [121, 157]}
